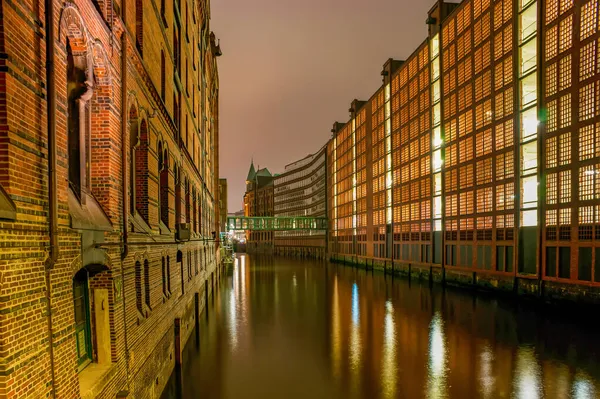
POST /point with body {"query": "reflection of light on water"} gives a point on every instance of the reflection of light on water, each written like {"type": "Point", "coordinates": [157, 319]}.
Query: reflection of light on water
{"type": "Point", "coordinates": [276, 291]}
{"type": "Point", "coordinates": [389, 373]}
{"type": "Point", "coordinates": [335, 331]}
{"type": "Point", "coordinates": [242, 278]}
{"type": "Point", "coordinates": [527, 375]}
{"type": "Point", "coordinates": [294, 281]}
{"type": "Point", "coordinates": [583, 388]}
{"type": "Point", "coordinates": [355, 344]}
{"type": "Point", "coordinates": [436, 383]}
{"type": "Point", "coordinates": [232, 305]}
{"type": "Point", "coordinates": [486, 376]}
{"type": "Point", "coordinates": [355, 306]}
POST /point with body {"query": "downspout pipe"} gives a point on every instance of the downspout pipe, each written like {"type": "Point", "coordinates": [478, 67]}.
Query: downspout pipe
{"type": "Point", "coordinates": [52, 178]}
{"type": "Point", "coordinates": [125, 202]}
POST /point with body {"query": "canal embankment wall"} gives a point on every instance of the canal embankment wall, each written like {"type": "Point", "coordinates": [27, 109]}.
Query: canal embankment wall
{"type": "Point", "coordinates": [526, 287]}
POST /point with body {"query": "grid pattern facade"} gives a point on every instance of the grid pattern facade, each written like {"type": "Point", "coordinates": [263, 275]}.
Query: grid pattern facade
{"type": "Point", "coordinates": [343, 161]}
{"type": "Point", "coordinates": [572, 141]}
{"type": "Point", "coordinates": [478, 120]}
{"type": "Point", "coordinates": [493, 165]}
{"type": "Point", "coordinates": [411, 147]}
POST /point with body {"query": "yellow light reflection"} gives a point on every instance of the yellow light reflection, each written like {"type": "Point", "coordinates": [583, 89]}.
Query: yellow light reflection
{"type": "Point", "coordinates": [336, 344]}
{"type": "Point", "coordinates": [355, 342]}
{"type": "Point", "coordinates": [527, 382]}
{"type": "Point", "coordinates": [436, 383]}
{"type": "Point", "coordinates": [583, 387]}
{"type": "Point", "coordinates": [487, 379]}
{"type": "Point", "coordinates": [232, 305]}
{"type": "Point", "coordinates": [389, 367]}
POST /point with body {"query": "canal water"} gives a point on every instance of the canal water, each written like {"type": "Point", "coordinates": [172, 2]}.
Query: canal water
{"type": "Point", "coordinates": [283, 328]}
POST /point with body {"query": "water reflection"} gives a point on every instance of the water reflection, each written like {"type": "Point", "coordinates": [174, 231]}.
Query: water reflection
{"type": "Point", "coordinates": [436, 382]}
{"type": "Point", "coordinates": [290, 329]}
{"type": "Point", "coordinates": [389, 371]}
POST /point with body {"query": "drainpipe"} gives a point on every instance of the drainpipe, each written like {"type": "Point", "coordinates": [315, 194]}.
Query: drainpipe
{"type": "Point", "coordinates": [52, 178]}
{"type": "Point", "coordinates": [125, 205]}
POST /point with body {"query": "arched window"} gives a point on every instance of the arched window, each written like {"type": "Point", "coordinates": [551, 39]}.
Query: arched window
{"type": "Point", "coordinates": [163, 172]}
{"type": "Point", "coordinates": [141, 172]}
{"type": "Point", "coordinates": [177, 195]}
{"type": "Point", "coordinates": [79, 92]}
{"type": "Point", "coordinates": [133, 141]}
{"type": "Point", "coordinates": [187, 201]}
{"type": "Point", "coordinates": [169, 275]}
{"type": "Point", "coordinates": [139, 302]}
{"type": "Point", "coordinates": [164, 276]}
{"type": "Point", "coordinates": [180, 262]}
{"type": "Point", "coordinates": [194, 214]}
{"type": "Point", "coordinates": [147, 283]}
{"type": "Point", "coordinates": [139, 25]}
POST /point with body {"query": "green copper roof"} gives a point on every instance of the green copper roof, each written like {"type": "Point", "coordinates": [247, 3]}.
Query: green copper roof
{"type": "Point", "coordinates": [263, 172]}
{"type": "Point", "coordinates": [251, 172]}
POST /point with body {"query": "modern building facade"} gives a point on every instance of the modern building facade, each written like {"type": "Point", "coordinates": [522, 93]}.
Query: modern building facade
{"type": "Point", "coordinates": [476, 161]}
{"type": "Point", "coordinates": [108, 192]}
{"type": "Point", "coordinates": [258, 201]}
{"type": "Point", "coordinates": [301, 191]}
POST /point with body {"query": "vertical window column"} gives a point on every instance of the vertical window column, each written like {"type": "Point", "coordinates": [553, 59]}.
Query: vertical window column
{"type": "Point", "coordinates": [436, 140]}
{"type": "Point", "coordinates": [388, 156]}
{"type": "Point", "coordinates": [528, 137]}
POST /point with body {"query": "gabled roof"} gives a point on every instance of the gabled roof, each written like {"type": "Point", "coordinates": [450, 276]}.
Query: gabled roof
{"type": "Point", "coordinates": [251, 172]}
{"type": "Point", "coordinates": [263, 172]}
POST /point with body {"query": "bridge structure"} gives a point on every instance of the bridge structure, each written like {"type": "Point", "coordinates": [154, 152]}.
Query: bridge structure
{"type": "Point", "coordinates": [269, 223]}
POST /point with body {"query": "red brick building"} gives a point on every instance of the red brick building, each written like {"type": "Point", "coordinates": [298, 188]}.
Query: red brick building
{"type": "Point", "coordinates": [108, 192]}
{"type": "Point", "coordinates": [258, 201]}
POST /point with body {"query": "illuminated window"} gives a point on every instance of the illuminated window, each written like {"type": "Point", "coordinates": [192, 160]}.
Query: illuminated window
{"type": "Point", "coordinates": [564, 76]}
{"type": "Point", "coordinates": [529, 160]}
{"type": "Point", "coordinates": [551, 10]}
{"type": "Point", "coordinates": [565, 111]}
{"type": "Point", "coordinates": [566, 34]}
{"type": "Point", "coordinates": [588, 19]}
{"type": "Point", "coordinates": [529, 124]}
{"type": "Point", "coordinates": [528, 22]}
{"type": "Point", "coordinates": [529, 192]}
{"type": "Point", "coordinates": [551, 42]}
{"type": "Point", "coordinates": [529, 89]}
{"type": "Point", "coordinates": [528, 56]}
{"type": "Point", "coordinates": [587, 62]}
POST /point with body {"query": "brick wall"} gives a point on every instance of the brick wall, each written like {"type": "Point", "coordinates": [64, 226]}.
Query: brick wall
{"type": "Point", "coordinates": [141, 346]}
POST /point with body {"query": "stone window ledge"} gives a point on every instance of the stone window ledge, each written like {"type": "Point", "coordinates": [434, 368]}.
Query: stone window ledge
{"type": "Point", "coordinates": [94, 378]}
{"type": "Point", "coordinates": [8, 210]}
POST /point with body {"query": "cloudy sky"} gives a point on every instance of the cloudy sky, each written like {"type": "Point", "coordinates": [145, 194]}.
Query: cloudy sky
{"type": "Point", "coordinates": [291, 68]}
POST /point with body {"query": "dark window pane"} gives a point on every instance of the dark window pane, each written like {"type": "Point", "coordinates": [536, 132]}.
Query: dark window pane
{"type": "Point", "coordinates": [500, 258]}
{"type": "Point", "coordinates": [551, 261]}
{"type": "Point", "coordinates": [585, 264]}
{"type": "Point", "coordinates": [509, 259]}
{"type": "Point", "coordinates": [597, 266]}
{"type": "Point", "coordinates": [564, 262]}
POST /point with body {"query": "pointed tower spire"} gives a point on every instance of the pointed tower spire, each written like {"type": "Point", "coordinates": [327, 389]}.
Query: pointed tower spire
{"type": "Point", "coordinates": [251, 172]}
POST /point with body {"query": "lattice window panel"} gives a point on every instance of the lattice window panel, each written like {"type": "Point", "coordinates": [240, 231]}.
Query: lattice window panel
{"type": "Point", "coordinates": [589, 18]}
{"type": "Point", "coordinates": [587, 61]}
{"type": "Point", "coordinates": [483, 172]}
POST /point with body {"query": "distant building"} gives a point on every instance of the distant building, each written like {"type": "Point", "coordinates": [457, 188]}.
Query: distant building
{"type": "Point", "coordinates": [239, 236]}
{"type": "Point", "coordinates": [301, 191]}
{"type": "Point", "coordinates": [223, 205]}
{"type": "Point", "coordinates": [258, 201]}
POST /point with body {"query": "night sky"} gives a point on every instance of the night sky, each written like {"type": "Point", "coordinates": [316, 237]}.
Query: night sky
{"type": "Point", "coordinates": [291, 68]}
